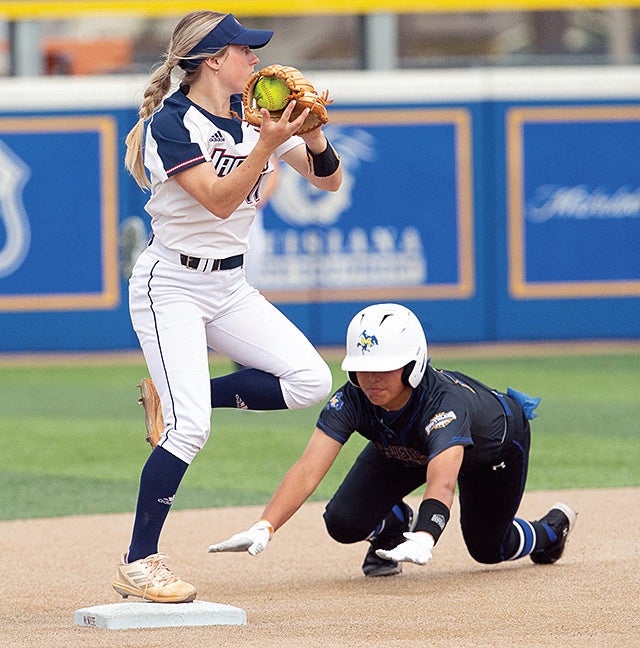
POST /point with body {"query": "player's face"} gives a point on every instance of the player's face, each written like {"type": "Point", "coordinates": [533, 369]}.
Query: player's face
{"type": "Point", "coordinates": [384, 388]}
{"type": "Point", "coordinates": [239, 65]}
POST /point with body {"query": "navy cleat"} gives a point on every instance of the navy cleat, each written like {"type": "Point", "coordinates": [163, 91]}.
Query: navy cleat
{"type": "Point", "coordinates": [389, 538]}
{"type": "Point", "coordinates": [561, 519]}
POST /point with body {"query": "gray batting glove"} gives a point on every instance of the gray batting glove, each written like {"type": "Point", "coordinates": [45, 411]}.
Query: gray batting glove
{"type": "Point", "coordinates": [415, 549]}
{"type": "Point", "coordinates": [253, 540]}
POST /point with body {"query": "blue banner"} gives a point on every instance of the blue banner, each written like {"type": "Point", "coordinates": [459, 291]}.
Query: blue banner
{"type": "Point", "coordinates": [491, 219]}
{"type": "Point", "coordinates": [401, 226]}
{"type": "Point", "coordinates": [574, 201]}
{"type": "Point", "coordinates": [58, 214]}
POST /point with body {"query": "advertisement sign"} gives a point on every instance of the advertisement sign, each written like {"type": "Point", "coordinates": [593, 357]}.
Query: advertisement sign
{"type": "Point", "coordinates": [400, 227]}
{"type": "Point", "coordinates": [573, 191]}
{"type": "Point", "coordinates": [58, 213]}
{"type": "Point", "coordinates": [501, 209]}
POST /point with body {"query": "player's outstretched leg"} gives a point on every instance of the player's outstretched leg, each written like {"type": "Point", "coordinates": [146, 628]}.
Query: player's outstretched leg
{"type": "Point", "coordinates": [557, 523]}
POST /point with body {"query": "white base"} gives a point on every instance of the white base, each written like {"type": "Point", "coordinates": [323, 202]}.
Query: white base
{"type": "Point", "coordinates": [143, 614]}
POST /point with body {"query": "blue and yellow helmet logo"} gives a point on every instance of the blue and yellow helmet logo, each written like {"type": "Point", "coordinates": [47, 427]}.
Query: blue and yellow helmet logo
{"type": "Point", "coordinates": [366, 342]}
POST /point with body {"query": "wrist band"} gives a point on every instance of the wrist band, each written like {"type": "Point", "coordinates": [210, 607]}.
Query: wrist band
{"type": "Point", "coordinates": [433, 516]}
{"type": "Point", "coordinates": [324, 164]}
{"type": "Point", "coordinates": [269, 526]}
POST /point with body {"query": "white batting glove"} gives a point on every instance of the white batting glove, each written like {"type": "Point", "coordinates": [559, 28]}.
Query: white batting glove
{"type": "Point", "coordinates": [253, 540]}
{"type": "Point", "coordinates": [415, 549]}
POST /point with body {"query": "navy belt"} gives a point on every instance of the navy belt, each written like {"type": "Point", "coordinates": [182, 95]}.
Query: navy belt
{"type": "Point", "coordinates": [209, 265]}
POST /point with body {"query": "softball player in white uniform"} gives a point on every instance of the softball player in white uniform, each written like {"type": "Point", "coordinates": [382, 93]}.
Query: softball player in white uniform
{"type": "Point", "coordinates": [188, 290]}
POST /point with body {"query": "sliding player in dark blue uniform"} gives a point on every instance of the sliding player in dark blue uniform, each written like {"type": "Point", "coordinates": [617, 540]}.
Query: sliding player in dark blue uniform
{"type": "Point", "coordinates": [425, 426]}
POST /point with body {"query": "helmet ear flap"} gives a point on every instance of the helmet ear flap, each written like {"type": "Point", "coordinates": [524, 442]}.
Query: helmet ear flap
{"type": "Point", "coordinates": [406, 374]}
{"type": "Point", "coordinates": [413, 372]}
{"type": "Point", "coordinates": [353, 378]}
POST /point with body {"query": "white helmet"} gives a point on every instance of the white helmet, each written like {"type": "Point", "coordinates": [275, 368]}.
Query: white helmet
{"type": "Point", "coordinates": [385, 337]}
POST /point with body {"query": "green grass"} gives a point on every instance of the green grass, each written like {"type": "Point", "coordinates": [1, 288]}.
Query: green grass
{"type": "Point", "coordinates": [73, 435]}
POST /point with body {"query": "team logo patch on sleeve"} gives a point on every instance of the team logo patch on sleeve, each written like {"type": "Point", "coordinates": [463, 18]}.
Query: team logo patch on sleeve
{"type": "Point", "coordinates": [440, 420]}
{"type": "Point", "coordinates": [335, 402]}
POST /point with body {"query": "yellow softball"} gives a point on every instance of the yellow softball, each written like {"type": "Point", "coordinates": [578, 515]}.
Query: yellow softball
{"type": "Point", "coordinates": [271, 93]}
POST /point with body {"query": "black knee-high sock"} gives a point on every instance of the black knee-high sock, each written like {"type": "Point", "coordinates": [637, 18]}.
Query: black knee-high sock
{"type": "Point", "coordinates": [247, 389]}
{"type": "Point", "coordinates": [159, 482]}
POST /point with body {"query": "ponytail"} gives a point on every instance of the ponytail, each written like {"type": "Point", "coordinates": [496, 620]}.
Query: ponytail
{"type": "Point", "coordinates": [188, 32]}
{"type": "Point", "coordinates": [154, 93]}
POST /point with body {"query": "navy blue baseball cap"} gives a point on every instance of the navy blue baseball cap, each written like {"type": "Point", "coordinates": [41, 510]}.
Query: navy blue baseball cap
{"type": "Point", "coordinates": [227, 32]}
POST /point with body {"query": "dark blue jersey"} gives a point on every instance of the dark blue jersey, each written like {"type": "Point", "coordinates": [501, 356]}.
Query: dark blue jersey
{"type": "Point", "coordinates": [446, 409]}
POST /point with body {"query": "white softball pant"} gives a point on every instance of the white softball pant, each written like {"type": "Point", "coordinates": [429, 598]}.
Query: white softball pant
{"type": "Point", "coordinates": [178, 312]}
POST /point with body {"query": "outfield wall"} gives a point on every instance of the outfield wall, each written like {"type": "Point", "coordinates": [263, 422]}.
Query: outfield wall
{"type": "Point", "coordinates": [499, 204]}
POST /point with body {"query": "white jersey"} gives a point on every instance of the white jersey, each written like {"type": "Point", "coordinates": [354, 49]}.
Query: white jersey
{"type": "Point", "coordinates": [181, 135]}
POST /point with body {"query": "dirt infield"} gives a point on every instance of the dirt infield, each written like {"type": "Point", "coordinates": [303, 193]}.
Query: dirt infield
{"type": "Point", "coordinates": [307, 590]}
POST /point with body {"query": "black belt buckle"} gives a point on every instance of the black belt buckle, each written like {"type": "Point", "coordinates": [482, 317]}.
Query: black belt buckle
{"type": "Point", "coordinates": [189, 261]}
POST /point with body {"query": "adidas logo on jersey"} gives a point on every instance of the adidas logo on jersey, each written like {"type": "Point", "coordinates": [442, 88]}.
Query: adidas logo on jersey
{"type": "Point", "coordinates": [217, 137]}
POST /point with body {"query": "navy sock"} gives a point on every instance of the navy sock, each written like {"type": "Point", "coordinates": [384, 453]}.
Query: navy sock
{"type": "Point", "coordinates": [394, 521]}
{"type": "Point", "coordinates": [159, 482]}
{"type": "Point", "coordinates": [545, 535]}
{"type": "Point", "coordinates": [398, 511]}
{"type": "Point", "coordinates": [531, 536]}
{"type": "Point", "coordinates": [247, 389]}
{"type": "Point", "coordinates": [520, 541]}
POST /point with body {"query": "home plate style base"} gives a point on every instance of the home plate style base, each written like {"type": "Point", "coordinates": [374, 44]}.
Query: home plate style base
{"type": "Point", "coordinates": [141, 614]}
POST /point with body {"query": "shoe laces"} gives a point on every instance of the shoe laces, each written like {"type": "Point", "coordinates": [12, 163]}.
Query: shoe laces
{"type": "Point", "coordinates": [158, 570]}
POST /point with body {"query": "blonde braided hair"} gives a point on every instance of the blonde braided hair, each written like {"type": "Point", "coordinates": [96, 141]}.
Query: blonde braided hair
{"type": "Point", "coordinates": [189, 31]}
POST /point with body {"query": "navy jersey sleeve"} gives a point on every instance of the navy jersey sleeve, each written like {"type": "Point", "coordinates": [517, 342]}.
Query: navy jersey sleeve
{"type": "Point", "coordinates": [172, 142]}
{"type": "Point", "coordinates": [338, 418]}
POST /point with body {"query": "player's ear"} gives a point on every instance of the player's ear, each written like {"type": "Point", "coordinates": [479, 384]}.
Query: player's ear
{"type": "Point", "coordinates": [212, 63]}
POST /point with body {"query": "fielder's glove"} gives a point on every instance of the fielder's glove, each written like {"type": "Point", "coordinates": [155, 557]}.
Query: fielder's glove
{"type": "Point", "coordinates": [253, 540]}
{"type": "Point", "coordinates": [300, 89]}
{"type": "Point", "coordinates": [415, 549]}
